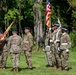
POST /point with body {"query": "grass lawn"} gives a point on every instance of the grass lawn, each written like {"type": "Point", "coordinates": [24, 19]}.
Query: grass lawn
{"type": "Point", "coordinates": [38, 59]}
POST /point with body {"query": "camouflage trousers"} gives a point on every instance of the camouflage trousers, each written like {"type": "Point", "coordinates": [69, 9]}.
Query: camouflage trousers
{"type": "Point", "coordinates": [53, 55]}
{"type": "Point", "coordinates": [57, 56]}
{"type": "Point", "coordinates": [28, 56]}
{"type": "Point", "coordinates": [49, 58]}
{"type": "Point", "coordinates": [15, 58]}
{"type": "Point", "coordinates": [64, 58]}
{"type": "Point", "coordinates": [3, 58]}
{"type": "Point", "coordinates": [57, 59]}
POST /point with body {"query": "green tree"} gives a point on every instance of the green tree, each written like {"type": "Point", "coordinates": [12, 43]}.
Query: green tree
{"type": "Point", "coordinates": [73, 8]}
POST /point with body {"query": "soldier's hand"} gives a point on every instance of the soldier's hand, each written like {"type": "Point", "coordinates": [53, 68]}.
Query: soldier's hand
{"type": "Point", "coordinates": [67, 50]}
{"type": "Point", "coordinates": [44, 50]}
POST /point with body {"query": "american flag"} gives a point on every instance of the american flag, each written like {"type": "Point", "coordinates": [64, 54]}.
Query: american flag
{"type": "Point", "coordinates": [48, 13]}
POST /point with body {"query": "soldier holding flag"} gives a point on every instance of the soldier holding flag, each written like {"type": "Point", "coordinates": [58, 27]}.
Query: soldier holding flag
{"type": "Point", "coordinates": [3, 48]}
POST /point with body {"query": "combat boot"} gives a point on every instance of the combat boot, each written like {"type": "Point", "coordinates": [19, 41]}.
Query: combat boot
{"type": "Point", "coordinates": [66, 69]}
{"type": "Point", "coordinates": [13, 69]}
{"type": "Point", "coordinates": [55, 67]}
{"type": "Point", "coordinates": [59, 68]}
{"type": "Point", "coordinates": [1, 68]}
{"type": "Point", "coordinates": [16, 69]}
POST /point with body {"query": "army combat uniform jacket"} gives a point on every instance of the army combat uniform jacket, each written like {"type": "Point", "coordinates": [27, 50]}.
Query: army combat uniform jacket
{"type": "Point", "coordinates": [14, 44]}
{"type": "Point", "coordinates": [28, 42]}
{"type": "Point", "coordinates": [65, 41]}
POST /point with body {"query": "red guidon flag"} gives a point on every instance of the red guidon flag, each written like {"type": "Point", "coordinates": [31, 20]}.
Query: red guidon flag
{"type": "Point", "coordinates": [48, 13]}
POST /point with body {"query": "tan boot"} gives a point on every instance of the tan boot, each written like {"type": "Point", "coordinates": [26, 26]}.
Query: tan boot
{"type": "Point", "coordinates": [1, 69]}
{"type": "Point", "coordinates": [55, 67]}
{"type": "Point", "coordinates": [16, 70]}
{"type": "Point", "coordinates": [60, 68]}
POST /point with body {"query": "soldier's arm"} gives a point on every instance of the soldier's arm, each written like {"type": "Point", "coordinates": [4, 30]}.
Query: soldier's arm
{"type": "Point", "coordinates": [31, 40]}
{"type": "Point", "coordinates": [68, 41]}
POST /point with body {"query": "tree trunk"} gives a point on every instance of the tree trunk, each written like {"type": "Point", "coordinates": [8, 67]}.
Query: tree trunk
{"type": "Point", "coordinates": [38, 22]}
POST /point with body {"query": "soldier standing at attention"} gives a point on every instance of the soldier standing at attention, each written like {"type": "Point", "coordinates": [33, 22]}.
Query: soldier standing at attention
{"type": "Point", "coordinates": [3, 52]}
{"type": "Point", "coordinates": [48, 50]}
{"type": "Point", "coordinates": [14, 43]}
{"type": "Point", "coordinates": [52, 47]}
{"type": "Point", "coordinates": [28, 44]}
{"type": "Point", "coordinates": [56, 37]}
{"type": "Point", "coordinates": [64, 47]}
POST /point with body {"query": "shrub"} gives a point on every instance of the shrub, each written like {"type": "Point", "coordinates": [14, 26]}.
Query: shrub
{"type": "Point", "coordinates": [73, 41]}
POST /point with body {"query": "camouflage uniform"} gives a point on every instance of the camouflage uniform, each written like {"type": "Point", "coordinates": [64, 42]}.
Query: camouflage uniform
{"type": "Point", "coordinates": [14, 44]}
{"type": "Point", "coordinates": [52, 48]}
{"type": "Point", "coordinates": [64, 47]}
{"type": "Point", "coordinates": [3, 54]}
{"type": "Point", "coordinates": [27, 47]}
{"type": "Point", "coordinates": [57, 35]}
{"type": "Point", "coordinates": [48, 52]}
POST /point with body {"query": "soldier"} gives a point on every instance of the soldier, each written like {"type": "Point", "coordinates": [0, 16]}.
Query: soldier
{"type": "Point", "coordinates": [3, 52]}
{"type": "Point", "coordinates": [14, 43]}
{"type": "Point", "coordinates": [56, 37]}
{"type": "Point", "coordinates": [48, 50]}
{"type": "Point", "coordinates": [52, 47]}
{"type": "Point", "coordinates": [28, 44]}
{"type": "Point", "coordinates": [64, 47]}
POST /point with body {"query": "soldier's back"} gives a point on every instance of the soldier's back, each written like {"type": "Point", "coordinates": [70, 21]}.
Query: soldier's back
{"type": "Point", "coordinates": [15, 43]}
{"type": "Point", "coordinates": [15, 40]}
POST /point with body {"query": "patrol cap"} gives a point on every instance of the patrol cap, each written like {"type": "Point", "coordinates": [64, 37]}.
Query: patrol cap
{"type": "Point", "coordinates": [27, 28]}
{"type": "Point", "coordinates": [1, 32]}
{"type": "Point", "coordinates": [65, 29]}
{"type": "Point", "coordinates": [56, 24]}
{"type": "Point", "coordinates": [14, 30]}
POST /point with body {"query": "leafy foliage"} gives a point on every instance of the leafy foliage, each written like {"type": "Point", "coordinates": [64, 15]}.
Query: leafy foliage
{"type": "Point", "coordinates": [73, 8]}
{"type": "Point", "coordinates": [13, 14]}
{"type": "Point", "coordinates": [73, 40]}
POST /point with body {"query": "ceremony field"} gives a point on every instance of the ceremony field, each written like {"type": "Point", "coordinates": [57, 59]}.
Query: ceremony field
{"type": "Point", "coordinates": [39, 63]}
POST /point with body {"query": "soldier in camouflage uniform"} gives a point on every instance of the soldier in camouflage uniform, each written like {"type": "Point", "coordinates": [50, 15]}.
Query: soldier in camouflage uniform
{"type": "Point", "coordinates": [14, 43]}
{"type": "Point", "coordinates": [52, 49]}
{"type": "Point", "coordinates": [64, 47]}
{"type": "Point", "coordinates": [56, 37]}
{"type": "Point", "coordinates": [3, 52]}
{"type": "Point", "coordinates": [27, 45]}
{"type": "Point", "coordinates": [48, 50]}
